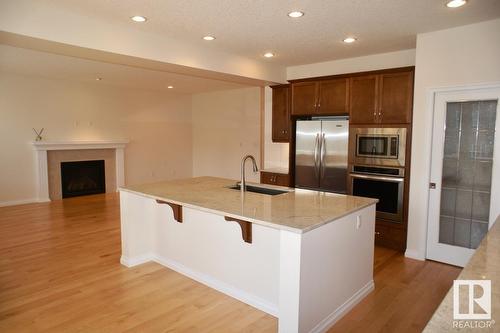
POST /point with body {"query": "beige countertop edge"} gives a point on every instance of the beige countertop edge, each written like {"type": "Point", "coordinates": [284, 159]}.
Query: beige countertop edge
{"type": "Point", "coordinates": [249, 219]}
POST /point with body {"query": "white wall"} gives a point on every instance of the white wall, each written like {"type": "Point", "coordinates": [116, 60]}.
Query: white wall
{"type": "Point", "coordinates": [157, 124]}
{"type": "Point", "coordinates": [459, 56]}
{"type": "Point", "coordinates": [351, 65]}
{"type": "Point", "coordinates": [226, 126]}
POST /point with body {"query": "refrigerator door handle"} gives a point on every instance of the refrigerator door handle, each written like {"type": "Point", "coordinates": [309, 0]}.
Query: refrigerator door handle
{"type": "Point", "coordinates": [316, 153]}
{"type": "Point", "coordinates": [322, 156]}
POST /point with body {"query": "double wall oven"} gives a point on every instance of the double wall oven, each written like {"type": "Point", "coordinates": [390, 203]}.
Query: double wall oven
{"type": "Point", "coordinates": [377, 165]}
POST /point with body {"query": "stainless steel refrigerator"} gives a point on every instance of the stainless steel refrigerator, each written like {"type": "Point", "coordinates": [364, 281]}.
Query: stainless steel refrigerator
{"type": "Point", "coordinates": [321, 154]}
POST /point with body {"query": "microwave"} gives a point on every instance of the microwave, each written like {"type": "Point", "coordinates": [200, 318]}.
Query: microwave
{"type": "Point", "coordinates": [378, 146]}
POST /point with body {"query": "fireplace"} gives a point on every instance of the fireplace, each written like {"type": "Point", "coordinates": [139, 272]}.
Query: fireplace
{"type": "Point", "coordinates": [82, 178]}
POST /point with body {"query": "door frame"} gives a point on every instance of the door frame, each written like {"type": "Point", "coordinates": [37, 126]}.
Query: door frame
{"type": "Point", "coordinates": [451, 254]}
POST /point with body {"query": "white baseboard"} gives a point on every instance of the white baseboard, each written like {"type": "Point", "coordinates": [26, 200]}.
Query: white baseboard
{"type": "Point", "coordinates": [412, 254]}
{"type": "Point", "coordinates": [221, 286]}
{"type": "Point", "coordinates": [332, 318]}
{"type": "Point", "coordinates": [131, 262]}
{"type": "Point", "coordinates": [244, 296]}
{"type": "Point", "coordinates": [18, 202]}
{"type": "Point", "coordinates": [207, 280]}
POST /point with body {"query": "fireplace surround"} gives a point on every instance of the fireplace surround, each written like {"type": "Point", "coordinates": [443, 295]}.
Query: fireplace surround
{"type": "Point", "coordinates": [49, 155]}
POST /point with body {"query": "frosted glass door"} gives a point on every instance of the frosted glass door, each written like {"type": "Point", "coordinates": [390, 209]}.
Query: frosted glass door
{"type": "Point", "coordinates": [464, 189]}
{"type": "Point", "coordinates": [467, 172]}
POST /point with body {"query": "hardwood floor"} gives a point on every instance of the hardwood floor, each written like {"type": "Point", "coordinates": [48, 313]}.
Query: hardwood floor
{"type": "Point", "coordinates": [60, 272]}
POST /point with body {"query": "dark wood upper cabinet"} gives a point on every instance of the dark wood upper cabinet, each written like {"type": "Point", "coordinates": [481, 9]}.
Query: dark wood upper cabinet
{"type": "Point", "coordinates": [363, 99]}
{"type": "Point", "coordinates": [328, 97]}
{"type": "Point", "coordinates": [385, 98]}
{"type": "Point", "coordinates": [304, 98]}
{"type": "Point", "coordinates": [396, 98]}
{"type": "Point", "coordinates": [281, 113]}
{"type": "Point", "coordinates": [369, 98]}
{"type": "Point", "coordinates": [333, 97]}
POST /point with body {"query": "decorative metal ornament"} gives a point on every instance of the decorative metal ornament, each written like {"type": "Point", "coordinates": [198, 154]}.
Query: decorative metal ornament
{"type": "Point", "coordinates": [38, 134]}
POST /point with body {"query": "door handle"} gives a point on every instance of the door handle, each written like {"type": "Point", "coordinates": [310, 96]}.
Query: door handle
{"type": "Point", "coordinates": [432, 186]}
{"type": "Point", "coordinates": [316, 153]}
{"type": "Point", "coordinates": [322, 155]}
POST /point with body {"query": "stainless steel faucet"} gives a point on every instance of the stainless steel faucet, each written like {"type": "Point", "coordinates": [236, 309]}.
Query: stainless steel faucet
{"type": "Point", "coordinates": [255, 169]}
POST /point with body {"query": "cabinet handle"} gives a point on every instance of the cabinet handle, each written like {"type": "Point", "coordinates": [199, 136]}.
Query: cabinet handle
{"type": "Point", "coordinates": [377, 233]}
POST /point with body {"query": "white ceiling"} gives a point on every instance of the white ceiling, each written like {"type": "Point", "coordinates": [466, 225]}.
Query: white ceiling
{"type": "Point", "coordinates": [35, 63]}
{"type": "Point", "coordinates": [252, 27]}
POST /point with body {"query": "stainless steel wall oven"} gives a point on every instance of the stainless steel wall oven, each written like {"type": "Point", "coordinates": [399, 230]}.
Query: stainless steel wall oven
{"type": "Point", "coordinates": [384, 184]}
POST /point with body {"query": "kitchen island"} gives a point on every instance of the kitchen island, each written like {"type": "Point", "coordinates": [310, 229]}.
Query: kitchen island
{"type": "Point", "coordinates": [303, 256]}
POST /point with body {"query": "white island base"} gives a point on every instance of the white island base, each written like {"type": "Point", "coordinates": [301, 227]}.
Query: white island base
{"type": "Point", "coordinates": [307, 280]}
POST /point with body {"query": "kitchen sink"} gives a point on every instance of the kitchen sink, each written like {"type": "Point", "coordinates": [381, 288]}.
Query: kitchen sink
{"type": "Point", "coordinates": [258, 189]}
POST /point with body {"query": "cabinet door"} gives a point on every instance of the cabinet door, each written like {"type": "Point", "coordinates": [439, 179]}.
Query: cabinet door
{"type": "Point", "coordinates": [267, 178]}
{"type": "Point", "coordinates": [304, 98]}
{"type": "Point", "coordinates": [363, 99]}
{"type": "Point", "coordinates": [396, 98]}
{"type": "Point", "coordinates": [272, 178]}
{"type": "Point", "coordinates": [333, 97]}
{"type": "Point", "coordinates": [281, 114]}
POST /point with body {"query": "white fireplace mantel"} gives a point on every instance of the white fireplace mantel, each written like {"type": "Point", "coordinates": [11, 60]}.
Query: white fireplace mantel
{"type": "Point", "coordinates": [41, 148]}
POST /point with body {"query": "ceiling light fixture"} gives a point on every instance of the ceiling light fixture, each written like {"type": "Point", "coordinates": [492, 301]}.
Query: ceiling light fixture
{"type": "Point", "coordinates": [170, 87]}
{"type": "Point", "coordinates": [455, 3]}
{"type": "Point", "coordinates": [209, 38]}
{"type": "Point", "coordinates": [295, 14]}
{"type": "Point", "coordinates": [268, 54]}
{"type": "Point", "coordinates": [138, 18]}
{"type": "Point", "coordinates": [350, 40]}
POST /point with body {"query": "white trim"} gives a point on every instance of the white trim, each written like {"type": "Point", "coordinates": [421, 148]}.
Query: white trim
{"type": "Point", "coordinates": [342, 310]}
{"type": "Point", "coordinates": [223, 287]}
{"type": "Point", "coordinates": [207, 280]}
{"type": "Point", "coordinates": [139, 260]}
{"type": "Point", "coordinates": [413, 254]}
{"type": "Point", "coordinates": [18, 202]}
{"type": "Point", "coordinates": [72, 145]}
{"type": "Point", "coordinates": [42, 173]}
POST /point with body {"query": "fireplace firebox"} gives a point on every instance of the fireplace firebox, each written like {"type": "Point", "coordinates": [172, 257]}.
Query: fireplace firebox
{"type": "Point", "coordinates": [82, 178]}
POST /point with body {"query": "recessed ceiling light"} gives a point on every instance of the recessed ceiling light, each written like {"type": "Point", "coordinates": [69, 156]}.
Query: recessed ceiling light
{"type": "Point", "coordinates": [138, 18]}
{"type": "Point", "coordinates": [268, 54]}
{"type": "Point", "coordinates": [296, 14]}
{"type": "Point", "coordinates": [170, 87]}
{"type": "Point", "coordinates": [209, 38]}
{"type": "Point", "coordinates": [98, 78]}
{"type": "Point", "coordinates": [349, 40]}
{"type": "Point", "coordinates": [456, 3]}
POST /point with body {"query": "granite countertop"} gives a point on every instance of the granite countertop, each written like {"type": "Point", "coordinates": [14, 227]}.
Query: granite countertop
{"type": "Point", "coordinates": [484, 265]}
{"type": "Point", "coordinates": [297, 211]}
